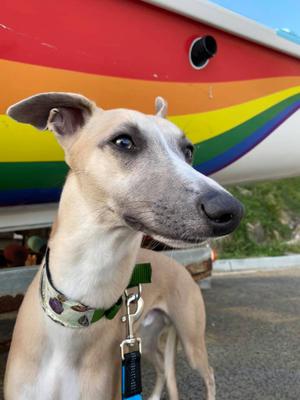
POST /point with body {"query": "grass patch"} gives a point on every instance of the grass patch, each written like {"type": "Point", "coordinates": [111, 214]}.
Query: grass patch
{"type": "Point", "coordinates": [271, 221]}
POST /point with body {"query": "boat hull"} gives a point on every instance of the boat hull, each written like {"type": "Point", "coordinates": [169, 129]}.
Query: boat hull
{"type": "Point", "coordinates": [240, 111]}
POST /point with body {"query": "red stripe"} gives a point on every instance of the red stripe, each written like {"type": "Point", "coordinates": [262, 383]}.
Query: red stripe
{"type": "Point", "coordinates": [127, 38]}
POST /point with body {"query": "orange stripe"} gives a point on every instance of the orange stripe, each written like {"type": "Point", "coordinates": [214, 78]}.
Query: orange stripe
{"type": "Point", "coordinates": [20, 80]}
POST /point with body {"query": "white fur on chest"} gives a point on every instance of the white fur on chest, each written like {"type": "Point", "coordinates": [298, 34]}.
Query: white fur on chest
{"type": "Point", "coordinates": [58, 379]}
{"type": "Point", "coordinates": [62, 373]}
{"type": "Point", "coordinates": [58, 376]}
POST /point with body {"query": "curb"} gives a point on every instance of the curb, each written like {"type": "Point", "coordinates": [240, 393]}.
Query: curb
{"type": "Point", "coordinates": [257, 264]}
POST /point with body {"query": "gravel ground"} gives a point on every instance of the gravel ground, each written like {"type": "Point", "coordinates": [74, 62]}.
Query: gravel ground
{"type": "Point", "coordinates": [253, 339]}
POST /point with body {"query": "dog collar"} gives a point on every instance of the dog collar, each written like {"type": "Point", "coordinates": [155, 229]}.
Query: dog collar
{"type": "Point", "coordinates": [74, 314]}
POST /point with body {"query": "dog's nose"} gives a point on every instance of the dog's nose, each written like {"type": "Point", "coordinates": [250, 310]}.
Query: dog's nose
{"type": "Point", "coordinates": [223, 212]}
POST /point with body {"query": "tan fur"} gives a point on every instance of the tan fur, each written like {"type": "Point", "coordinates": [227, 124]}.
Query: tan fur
{"type": "Point", "coordinates": [110, 197]}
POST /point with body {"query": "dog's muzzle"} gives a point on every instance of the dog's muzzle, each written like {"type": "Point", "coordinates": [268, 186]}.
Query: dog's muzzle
{"type": "Point", "coordinates": [221, 211]}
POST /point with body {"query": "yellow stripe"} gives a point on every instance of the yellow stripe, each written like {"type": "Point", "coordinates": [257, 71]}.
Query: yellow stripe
{"type": "Point", "coordinates": [21, 142]}
{"type": "Point", "coordinates": [203, 126]}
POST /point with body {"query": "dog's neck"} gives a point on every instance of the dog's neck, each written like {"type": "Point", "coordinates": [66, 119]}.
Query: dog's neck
{"type": "Point", "coordinates": [91, 260]}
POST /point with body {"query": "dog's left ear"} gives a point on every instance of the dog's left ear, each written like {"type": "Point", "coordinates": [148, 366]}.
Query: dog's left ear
{"type": "Point", "coordinates": [161, 107]}
{"type": "Point", "coordinates": [62, 113]}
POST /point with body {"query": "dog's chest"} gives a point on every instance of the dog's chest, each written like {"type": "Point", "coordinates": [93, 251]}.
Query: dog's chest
{"type": "Point", "coordinates": [77, 364]}
{"type": "Point", "coordinates": [58, 378]}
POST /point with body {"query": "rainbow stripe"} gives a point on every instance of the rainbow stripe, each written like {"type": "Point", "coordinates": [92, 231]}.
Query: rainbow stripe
{"type": "Point", "coordinates": [37, 171]}
{"type": "Point", "coordinates": [215, 154]}
{"type": "Point", "coordinates": [226, 109]}
{"type": "Point", "coordinates": [32, 166]}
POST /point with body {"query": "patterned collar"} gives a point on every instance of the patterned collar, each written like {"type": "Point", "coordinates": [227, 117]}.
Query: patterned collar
{"type": "Point", "coordinates": [73, 314]}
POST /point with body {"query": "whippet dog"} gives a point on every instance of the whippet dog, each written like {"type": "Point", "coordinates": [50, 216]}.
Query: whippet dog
{"type": "Point", "coordinates": [130, 174]}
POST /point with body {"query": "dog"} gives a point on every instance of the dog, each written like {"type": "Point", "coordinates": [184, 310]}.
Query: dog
{"type": "Point", "coordinates": [130, 174]}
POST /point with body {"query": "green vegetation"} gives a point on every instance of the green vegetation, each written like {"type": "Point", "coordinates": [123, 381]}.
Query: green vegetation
{"type": "Point", "coordinates": [271, 226]}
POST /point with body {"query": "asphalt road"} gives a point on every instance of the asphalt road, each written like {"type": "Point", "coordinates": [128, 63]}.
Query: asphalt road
{"type": "Point", "coordinates": [253, 339]}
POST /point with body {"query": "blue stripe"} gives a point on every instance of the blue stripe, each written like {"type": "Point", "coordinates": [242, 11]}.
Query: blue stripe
{"type": "Point", "coordinates": [123, 381]}
{"type": "Point", "coordinates": [29, 196]}
{"type": "Point", "coordinates": [234, 153]}
{"type": "Point", "coordinates": [136, 396]}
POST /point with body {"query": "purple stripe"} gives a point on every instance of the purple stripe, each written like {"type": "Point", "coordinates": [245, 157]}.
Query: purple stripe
{"type": "Point", "coordinates": [28, 196]}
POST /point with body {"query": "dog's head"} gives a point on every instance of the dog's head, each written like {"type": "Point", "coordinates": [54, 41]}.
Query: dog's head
{"type": "Point", "coordinates": [136, 166]}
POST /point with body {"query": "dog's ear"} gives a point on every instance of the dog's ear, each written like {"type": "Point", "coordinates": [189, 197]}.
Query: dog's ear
{"type": "Point", "coordinates": [62, 113]}
{"type": "Point", "coordinates": [161, 107]}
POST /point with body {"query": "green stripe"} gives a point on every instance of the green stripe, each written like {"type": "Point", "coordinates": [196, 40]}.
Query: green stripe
{"type": "Point", "coordinates": [211, 148]}
{"type": "Point", "coordinates": [32, 175]}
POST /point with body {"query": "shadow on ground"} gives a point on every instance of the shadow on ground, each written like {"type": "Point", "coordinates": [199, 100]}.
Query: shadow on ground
{"type": "Point", "coordinates": [253, 339]}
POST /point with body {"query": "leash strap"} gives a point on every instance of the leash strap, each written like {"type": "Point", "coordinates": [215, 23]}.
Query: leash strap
{"type": "Point", "coordinates": [141, 274]}
{"type": "Point", "coordinates": [131, 376]}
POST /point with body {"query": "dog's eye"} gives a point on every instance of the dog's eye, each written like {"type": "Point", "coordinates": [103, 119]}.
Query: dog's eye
{"type": "Point", "coordinates": [124, 142]}
{"type": "Point", "coordinates": [188, 153]}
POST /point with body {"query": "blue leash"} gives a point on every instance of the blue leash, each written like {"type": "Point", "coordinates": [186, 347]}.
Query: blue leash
{"type": "Point", "coordinates": [132, 376]}
{"type": "Point", "coordinates": [137, 396]}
